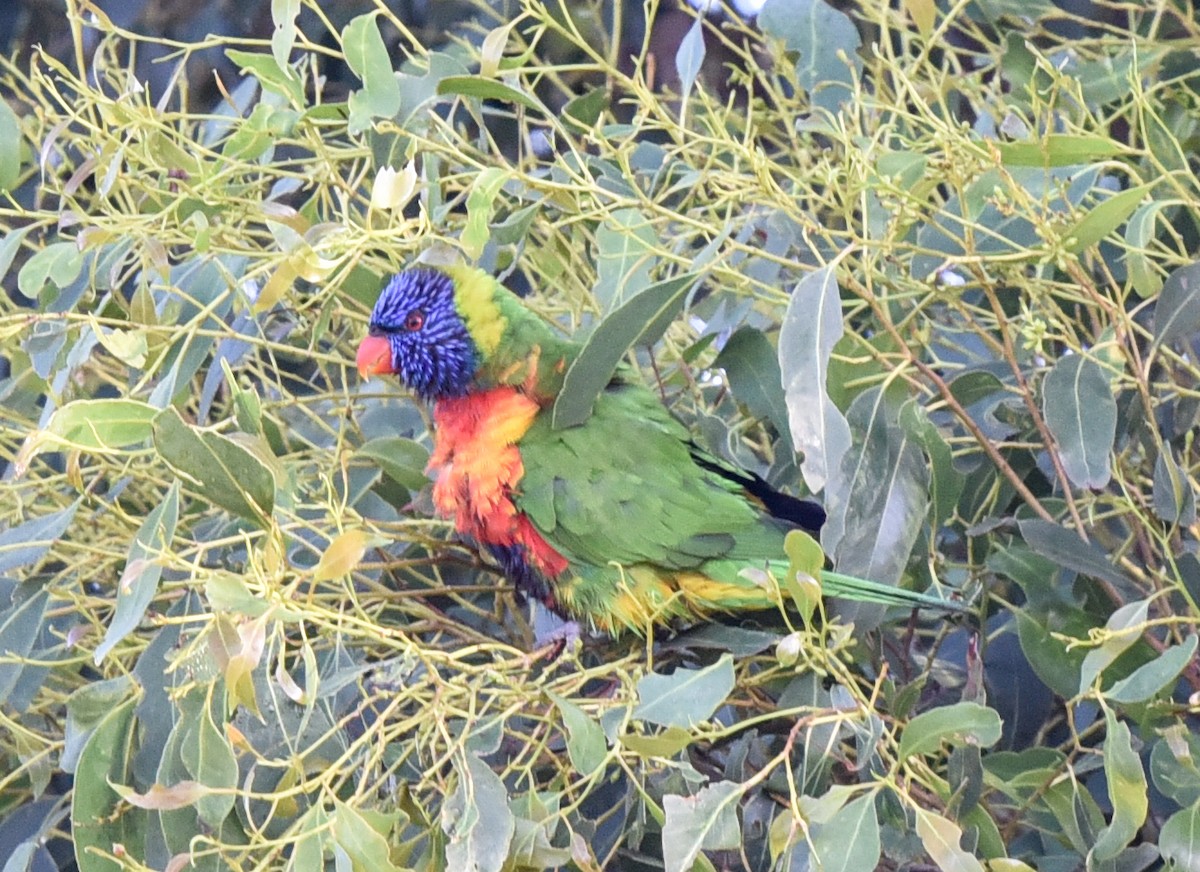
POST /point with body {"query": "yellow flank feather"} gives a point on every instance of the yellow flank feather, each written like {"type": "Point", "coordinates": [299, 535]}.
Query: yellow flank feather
{"type": "Point", "coordinates": [475, 301]}
{"type": "Point", "coordinates": [704, 594]}
{"type": "Point", "coordinates": [645, 596]}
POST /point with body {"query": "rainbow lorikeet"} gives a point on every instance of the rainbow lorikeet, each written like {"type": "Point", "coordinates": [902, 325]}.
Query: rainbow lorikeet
{"type": "Point", "coordinates": [621, 522]}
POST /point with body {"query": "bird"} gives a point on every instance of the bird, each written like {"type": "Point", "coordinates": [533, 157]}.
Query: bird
{"type": "Point", "coordinates": [621, 523]}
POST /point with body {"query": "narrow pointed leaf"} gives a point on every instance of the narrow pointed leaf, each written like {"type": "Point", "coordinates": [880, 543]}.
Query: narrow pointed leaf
{"type": "Point", "coordinates": [221, 469]}
{"type": "Point", "coordinates": [143, 569]}
{"type": "Point", "coordinates": [1082, 416]}
{"type": "Point", "coordinates": [1126, 791]}
{"type": "Point", "coordinates": [642, 319]}
{"type": "Point", "coordinates": [25, 543]}
{"type": "Point", "coordinates": [1177, 312]}
{"type": "Point", "coordinates": [811, 327]}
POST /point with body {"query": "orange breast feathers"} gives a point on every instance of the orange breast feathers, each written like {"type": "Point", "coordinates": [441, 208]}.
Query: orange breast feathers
{"type": "Point", "coordinates": [477, 465]}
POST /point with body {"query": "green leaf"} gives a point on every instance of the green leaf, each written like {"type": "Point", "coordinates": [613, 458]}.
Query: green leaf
{"type": "Point", "coordinates": [1047, 655]}
{"type": "Point", "coordinates": [707, 821]}
{"type": "Point", "coordinates": [1081, 414]}
{"type": "Point", "coordinates": [819, 33]}
{"type": "Point", "coordinates": [805, 562]}
{"type": "Point", "coordinates": [625, 244]}
{"type": "Point", "coordinates": [366, 846]}
{"type": "Point", "coordinates": [59, 263]}
{"type": "Point", "coordinates": [488, 89]}
{"type": "Point", "coordinates": [941, 839]}
{"type": "Point", "coordinates": [476, 818]}
{"type": "Point", "coordinates": [10, 147]}
{"type": "Point", "coordinates": [585, 738]}
{"type": "Point", "coordinates": [958, 724]}
{"type": "Point", "coordinates": [1179, 839]}
{"type": "Point", "coordinates": [1066, 549]}
{"type": "Point", "coordinates": [367, 57]}
{"type": "Point", "coordinates": [1177, 312]}
{"type": "Point", "coordinates": [1126, 791]}
{"type": "Point", "coordinates": [10, 246]}
{"type": "Point", "coordinates": [849, 841]}
{"type": "Point", "coordinates": [480, 204]}
{"type": "Point", "coordinates": [270, 74]}
{"type": "Point", "coordinates": [87, 706]}
{"type": "Point", "coordinates": [1155, 676]}
{"type": "Point", "coordinates": [402, 460]}
{"type": "Point", "coordinates": [876, 500]}
{"type": "Point", "coordinates": [685, 697]}
{"type": "Point", "coordinates": [1124, 627]}
{"type": "Point", "coordinates": [1175, 765]}
{"type": "Point", "coordinates": [642, 320]}
{"type": "Point", "coordinates": [585, 110]}
{"type": "Point", "coordinates": [19, 630]}
{"type": "Point", "coordinates": [209, 759]}
{"type": "Point", "coordinates": [283, 39]}
{"type": "Point", "coordinates": [751, 364]}
{"type": "Point", "coordinates": [99, 817]}
{"type": "Point", "coordinates": [946, 482]}
{"type": "Point", "coordinates": [143, 569]}
{"type": "Point", "coordinates": [1139, 233]}
{"type": "Point", "coordinates": [1104, 218]}
{"type": "Point", "coordinates": [975, 385]}
{"type": "Point", "coordinates": [689, 57]}
{"type": "Point", "coordinates": [102, 425]}
{"type": "Point", "coordinates": [220, 469]}
{"type": "Point", "coordinates": [1173, 494]}
{"type": "Point", "coordinates": [812, 325]}
{"type": "Point", "coordinates": [668, 743]}
{"type": "Point", "coordinates": [25, 543]}
{"type": "Point", "coordinates": [1059, 150]}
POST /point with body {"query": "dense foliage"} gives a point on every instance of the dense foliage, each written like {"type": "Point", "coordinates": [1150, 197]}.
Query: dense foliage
{"type": "Point", "coordinates": [929, 261]}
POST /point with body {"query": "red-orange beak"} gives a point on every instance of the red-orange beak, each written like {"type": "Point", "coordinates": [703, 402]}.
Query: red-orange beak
{"type": "Point", "coordinates": [374, 357]}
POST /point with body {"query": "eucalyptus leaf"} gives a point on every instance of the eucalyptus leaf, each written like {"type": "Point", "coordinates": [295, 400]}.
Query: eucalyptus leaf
{"type": "Point", "coordinates": [367, 57]}
{"type": "Point", "coordinates": [10, 147]}
{"type": "Point", "coordinates": [751, 364]}
{"type": "Point", "coordinates": [585, 739]}
{"type": "Point", "coordinates": [827, 43]}
{"type": "Point", "coordinates": [850, 840]}
{"type": "Point", "coordinates": [706, 821]}
{"type": "Point", "coordinates": [812, 325]}
{"type": "Point", "coordinates": [1153, 677]}
{"type": "Point", "coordinates": [1179, 838]}
{"type": "Point", "coordinates": [27, 542]}
{"type": "Point", "coordinates": [641, 319]}
{"type": "Point", "coordinates": [1126, 791]}
{"type": "Point", "coordinates": [1177, 312]}
{"type": "Point", "coordinates": [687, 696]}
{"type": "Point", "coordinates": [219, 468]}
{"type": "Point", "coordinates": [625, 245]}
{"type": "Point", "coordinates": [957, 724]}
{"type": "Point", "coordinates": [1174, 495]}
{"type": "Point", "coordinates": [143, 569]}
{"type": "Point", "coordinates": [1081, 413]}
{"type": "Point", "coordinates": [689, 57]}
{"type": "Point", "coordinates": [476, 818]}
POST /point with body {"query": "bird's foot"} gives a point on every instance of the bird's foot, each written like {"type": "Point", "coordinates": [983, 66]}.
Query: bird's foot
{"type": "Point", "coordinates": [552, 645]}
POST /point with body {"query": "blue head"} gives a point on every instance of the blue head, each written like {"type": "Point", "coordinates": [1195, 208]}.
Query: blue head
{"type": "Point", "coordinates": [417, 332]}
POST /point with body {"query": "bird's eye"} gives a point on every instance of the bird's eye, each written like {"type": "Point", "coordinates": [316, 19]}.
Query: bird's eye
{"type": "Point", "coordinates": [414, 320]}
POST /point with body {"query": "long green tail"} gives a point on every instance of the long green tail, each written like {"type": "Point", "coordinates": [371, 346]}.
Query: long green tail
{"type": "Point", "coordinates": [860, 590]}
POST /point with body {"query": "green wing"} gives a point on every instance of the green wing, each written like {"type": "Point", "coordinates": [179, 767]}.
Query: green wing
{"type": "Point", "coordinates": [623, 487]}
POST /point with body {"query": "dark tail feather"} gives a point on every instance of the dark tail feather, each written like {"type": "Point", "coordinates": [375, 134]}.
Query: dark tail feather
{"type": "Point", "coordinates": [805, 514]}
